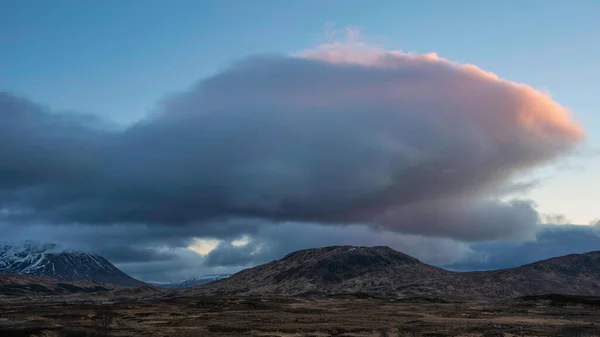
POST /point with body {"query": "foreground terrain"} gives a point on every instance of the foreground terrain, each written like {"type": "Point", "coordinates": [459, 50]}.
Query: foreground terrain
{"type": "Point", "coordinates": [555, 315]}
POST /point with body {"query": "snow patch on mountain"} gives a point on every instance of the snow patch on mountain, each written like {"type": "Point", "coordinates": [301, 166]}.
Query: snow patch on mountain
{"type": "Point", "coordinates": [53, 261]}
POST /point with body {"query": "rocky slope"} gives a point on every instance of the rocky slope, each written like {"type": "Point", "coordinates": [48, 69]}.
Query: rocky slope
{"type": "Point", "coordinates": [384, 272]}
{"type": "Point", "coordinates": [47, 260]}
{"type": "Point", "coordinates": [328, 270]}
{"type": "Point", "coordinates": [577, 274]}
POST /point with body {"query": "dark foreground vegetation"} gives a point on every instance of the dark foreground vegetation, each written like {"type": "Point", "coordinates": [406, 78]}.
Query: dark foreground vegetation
{"type": "Point", "coordinates": [547, 315]}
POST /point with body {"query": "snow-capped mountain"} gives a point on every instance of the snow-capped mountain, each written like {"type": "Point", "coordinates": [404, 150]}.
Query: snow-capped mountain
{"type": "Point", "coordinates": [194, 281]}
{"type": "Point", "coordinates": [48, 260]}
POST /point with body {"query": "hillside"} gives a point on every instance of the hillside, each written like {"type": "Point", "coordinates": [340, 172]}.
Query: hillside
{"type": "Point", "coordinates": [28, 287]}
{"type": "Point", "coordinates": [24, 285]}
{"type": "Point", "coordinates": [577, 274]}
{"type": "Point", "coordinates": [327, 271]}
{"type": "Point", "coordinates": [384, 272]}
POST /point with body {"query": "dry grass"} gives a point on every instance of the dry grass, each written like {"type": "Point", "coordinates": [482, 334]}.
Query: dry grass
{"type": "Point", "coordinates": [262, 316]}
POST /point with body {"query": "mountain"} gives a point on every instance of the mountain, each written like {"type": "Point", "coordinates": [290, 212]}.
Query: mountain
{"type": "Point", "coordinates": [384, 272]}
{"type": "Point", "coordinates": [47, 260]}
{"type": "Point", "coordinates": [192, 282]}
{"type": "Point", "coordinates": [327, 271]}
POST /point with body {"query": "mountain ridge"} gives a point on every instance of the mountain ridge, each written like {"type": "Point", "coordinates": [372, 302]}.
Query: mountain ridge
{"type": "Point", "coordinates": [383, 272]}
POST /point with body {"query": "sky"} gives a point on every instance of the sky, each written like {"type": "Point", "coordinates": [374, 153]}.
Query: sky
{"type": "Point", "coordinates": [188, 137]}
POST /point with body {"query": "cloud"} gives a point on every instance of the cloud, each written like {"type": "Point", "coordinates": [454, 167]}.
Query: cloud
{"type": "Point", "coordinates": [39, 147]}
{"type": "Point", "coordinates": [342, 134]}
{"type": "Point", "coordinates": [203, 247]}
{"type": "Point", "coordinates": [555, 219]}
{"type": "Point", "coordinates": [550, 241]}
{"type": "Point", "coordinates": [242, 241]}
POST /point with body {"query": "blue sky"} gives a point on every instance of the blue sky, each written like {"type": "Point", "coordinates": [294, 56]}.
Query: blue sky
{"type": "Point", "coordinates": [119, 59]}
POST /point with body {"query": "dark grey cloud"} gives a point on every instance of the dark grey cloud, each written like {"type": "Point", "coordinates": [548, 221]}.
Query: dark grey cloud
{"type": "Point", "coordinates": [134, 254]}
{"type": "Point", "coordinates": [409, 143]}
{"type": "Point", "coordinates": [39, 147]}
{"type": "Point", "coordinates": [550, 241]}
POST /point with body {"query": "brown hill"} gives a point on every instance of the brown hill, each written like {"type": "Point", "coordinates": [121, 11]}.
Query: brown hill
{"type": "Point", "coordinates": [384, 272]}
{"type": "Point", "coordinates": [577, 274]}
{"type": "Point", "coordinates": [23, 286]}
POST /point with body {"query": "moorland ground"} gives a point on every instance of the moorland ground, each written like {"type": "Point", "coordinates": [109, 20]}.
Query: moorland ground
{"type": "Point", "coordinates": [285, 316]}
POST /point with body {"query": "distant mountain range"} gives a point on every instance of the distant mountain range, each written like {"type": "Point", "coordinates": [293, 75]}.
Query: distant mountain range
{"type": "Point", "coordinates": [327, 271]}
{"type": "Point", "coordinates": [192, 282]}
{"type": "Point", "coordinates": [384, 272]}
{"type": "Point", "coordinates": [47, 260]}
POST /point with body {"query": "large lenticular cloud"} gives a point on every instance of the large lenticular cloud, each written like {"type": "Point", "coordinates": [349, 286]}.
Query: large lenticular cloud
{"type": "Point", "coordinates": [340, 134]}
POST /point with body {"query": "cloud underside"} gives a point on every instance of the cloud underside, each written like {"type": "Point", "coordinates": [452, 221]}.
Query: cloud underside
{"type": "Point", "coordinates": [338, 135]}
